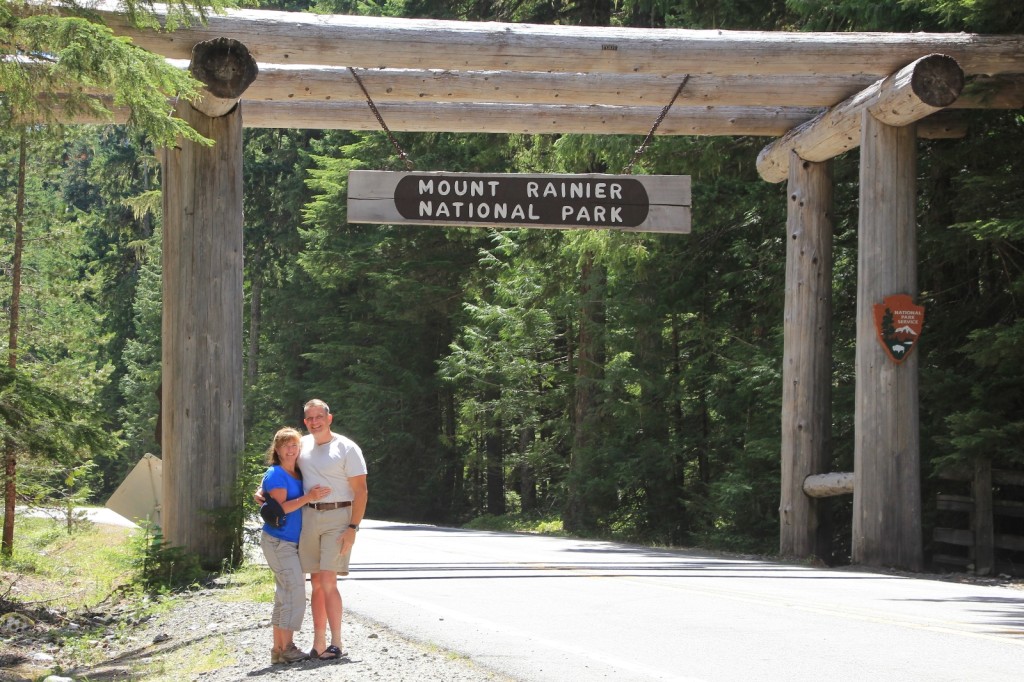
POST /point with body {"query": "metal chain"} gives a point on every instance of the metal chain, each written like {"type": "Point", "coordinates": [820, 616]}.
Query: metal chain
{"type": "Point", "coordinates": [628, 170]}
{"type": "Point", "coordinates": [380, 119]}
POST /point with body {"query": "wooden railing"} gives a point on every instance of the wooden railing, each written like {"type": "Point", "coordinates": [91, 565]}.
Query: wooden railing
{"type": "Point", "coordinates": [991, 503]}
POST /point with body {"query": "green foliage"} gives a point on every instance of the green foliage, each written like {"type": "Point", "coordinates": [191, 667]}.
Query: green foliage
{"type": "Point", "coordinates": [979, 16]}
{"type": "Point", "coordinates": [109, 178]}
{"type": "Point", "coordinates": [140, 382]}
{"type": "Point", "coordinates": [372, 352]}
{"type": "Point", "coordinates": [549, 525]}
{"type": "Point", "coordinates": [84, 568]}
{"type": "Point", "coordinates": [508, 366]}
{"type": "Point", "coordinates": [39, 419]}
{"type": "Point", "coordinates": [60, 492]}
{"type": "Point", "coordinates": [41, 423]}
{"type": "Point", "coordinates": [57, 55]}
{"type": "Point", "coordinates": [972, 285]}
{"type": "Point", "coordinates": [762, 16]}
{"type": "Point", "coordinates": [83, 250]}
{"type": "Point", "coordinates": [857, 15]}
{"type": "Point", "coordinates": [368, 8]}
{"type": "Point", "coordinates": [158, 567]}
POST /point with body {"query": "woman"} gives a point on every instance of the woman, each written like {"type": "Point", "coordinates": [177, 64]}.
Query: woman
{"type": "Point", "coordinates": [283, 482]}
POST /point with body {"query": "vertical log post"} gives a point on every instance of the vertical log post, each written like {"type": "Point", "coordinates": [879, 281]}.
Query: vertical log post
{"type": "Point", "coordinates": [982, 520]}
{"type": "Point", "coordinates": [202, 417]}
{"type": "Point", "coordinates": [887, 486]}
{"type": "Point", "coordinates": [807, 359]}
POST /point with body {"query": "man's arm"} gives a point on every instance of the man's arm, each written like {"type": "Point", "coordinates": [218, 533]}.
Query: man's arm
{"type": "Point", "coordinates": [362, 494]}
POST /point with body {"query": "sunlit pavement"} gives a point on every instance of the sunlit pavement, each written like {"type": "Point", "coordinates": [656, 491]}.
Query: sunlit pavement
{"type": "Point", "coordinates": [95, 514]}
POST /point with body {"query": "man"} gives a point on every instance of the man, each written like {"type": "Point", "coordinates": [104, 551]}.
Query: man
{"type": "Point", "coordinates": [329, 526]}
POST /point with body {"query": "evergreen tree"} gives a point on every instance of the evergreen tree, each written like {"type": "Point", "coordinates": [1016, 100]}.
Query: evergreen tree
{"type": "Point", "coordinates": [50, 345]}
{"type": "Point", "coordinates": [394, 294]}
{"type": "Point", "coordinates": [139, 385]}
{"type": "Point", "coordinates": [55, 54]}
{"type": "Point", "coordinates": [110, 180]}
{"type": "Point", "coordinates": [509, 367]}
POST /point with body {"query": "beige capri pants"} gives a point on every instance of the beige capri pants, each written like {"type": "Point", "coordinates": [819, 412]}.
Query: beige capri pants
{"type": "Point", "coordinates": [289, 582]}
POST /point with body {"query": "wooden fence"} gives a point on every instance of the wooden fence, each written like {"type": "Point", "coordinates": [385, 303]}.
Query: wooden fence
{"type": "Point", "coordinates": [980, 520]}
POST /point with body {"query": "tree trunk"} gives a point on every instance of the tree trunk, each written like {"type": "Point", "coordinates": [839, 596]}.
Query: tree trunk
{"type": "Point", "coordinates": [886, 455]}
{"type": "Point", "coordinates": [202, 336]}
{"type": "Point", "coordinates": [10, 452]}
{"type": "Point", "coordinates": [527, 479]}
{"type": "Point", "coordinates": [201, 369]}
{"type": "Point", "coordinates": [662, 478]}
{"type": "Point", "coordinates": [255, 319]}
{"type": "Point", "coordinates": [494, 447]}
{"type": "Point", "coordinates": [494, 454]}
{"type": "Point", "coordinates": [806, 359]}
{"type": "Point", "coordinates": [19, 247]}
{"type": "Point", "coordinates": [453, 466]}
{"type": "Point", "coordinates": [982, 519]}
{"type": "Point", "coordinates": [678, 421]}
{"type": "Point", "coordinates": [582, 509]}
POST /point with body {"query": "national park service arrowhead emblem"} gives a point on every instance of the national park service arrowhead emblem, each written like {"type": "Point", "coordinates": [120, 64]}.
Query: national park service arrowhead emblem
{"type": "Point", "coordinates": [898, 322]}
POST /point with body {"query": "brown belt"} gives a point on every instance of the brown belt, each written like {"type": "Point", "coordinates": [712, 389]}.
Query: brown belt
{"type": "Point", "coordinates": [324, 506]}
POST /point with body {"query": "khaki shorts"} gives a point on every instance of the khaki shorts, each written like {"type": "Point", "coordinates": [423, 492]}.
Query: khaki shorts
{"type": "Point", "coordinates": [319, 549]}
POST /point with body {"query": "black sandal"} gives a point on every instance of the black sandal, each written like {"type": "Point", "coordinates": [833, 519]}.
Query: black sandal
{"type": "Point", "coordinates": [331, 653]}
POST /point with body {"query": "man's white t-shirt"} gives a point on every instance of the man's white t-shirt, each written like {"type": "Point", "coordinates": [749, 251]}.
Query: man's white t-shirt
{"type": "Point", "coordinates": [331, 465]}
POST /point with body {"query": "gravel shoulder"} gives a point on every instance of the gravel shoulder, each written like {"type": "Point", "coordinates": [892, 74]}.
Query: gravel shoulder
{"type": "Point", "coordinates": [217, 633]}
{"type": "Point", "coordinates": [210, 635]}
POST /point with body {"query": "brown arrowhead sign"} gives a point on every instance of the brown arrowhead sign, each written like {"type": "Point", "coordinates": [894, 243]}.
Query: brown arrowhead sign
{"type": "Point", "coordinates": [898, 323]}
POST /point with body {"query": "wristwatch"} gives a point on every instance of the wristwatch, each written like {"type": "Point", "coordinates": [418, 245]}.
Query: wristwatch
{"type": "Point", "coordinates": [353, 526]}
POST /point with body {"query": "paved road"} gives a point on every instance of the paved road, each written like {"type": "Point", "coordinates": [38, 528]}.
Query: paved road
{"type": "Point", "coordinates": [102, 515]}
{"type": "Point", "coordinates": [540, 609]}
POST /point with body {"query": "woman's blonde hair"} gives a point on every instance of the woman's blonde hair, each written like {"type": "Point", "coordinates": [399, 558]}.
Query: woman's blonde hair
{"type": "Point", "coordinates": [283, 436]}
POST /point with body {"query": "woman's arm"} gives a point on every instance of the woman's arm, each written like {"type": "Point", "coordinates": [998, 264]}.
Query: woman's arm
{"type": "Point", "coordinates": [289, 506]}
{"type": "Point", "coordinates": [317, 492]}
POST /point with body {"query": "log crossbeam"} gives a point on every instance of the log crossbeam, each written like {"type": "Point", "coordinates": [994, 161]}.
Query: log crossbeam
{"type": "Point", "coordinates": [828, 485]}
{"type": "Point", "coordinates": [741, 82]}
{"type": "Point", "coordinates": [276, 37]}
{"type": "Point", "coordinates": [226, 70]}
{"type": "Point", "coordinates": [526, 119]}
{"type": "Point", "coordinates": [283, 83]}
{"type": "Point", "coordinates": [921, 88]}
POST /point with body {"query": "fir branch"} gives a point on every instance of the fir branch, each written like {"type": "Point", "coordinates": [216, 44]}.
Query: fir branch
{"type": "Point", "coordinates": [65, 55]}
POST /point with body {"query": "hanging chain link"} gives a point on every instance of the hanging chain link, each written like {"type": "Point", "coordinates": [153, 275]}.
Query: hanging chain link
{"type": "Point", "coordinates": [380, 119]}
{"type": "Point", "coordinates": [628, 170]}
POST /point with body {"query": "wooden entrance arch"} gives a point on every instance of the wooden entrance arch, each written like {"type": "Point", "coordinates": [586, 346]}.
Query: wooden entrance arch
{"type": "Point", "coordinates": [876, 91]}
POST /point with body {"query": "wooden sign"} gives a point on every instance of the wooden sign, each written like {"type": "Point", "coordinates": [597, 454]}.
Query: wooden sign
{"type": "Point", "coordinates": [631, 203]}
{"type": "Point", "coordinates": [898, 323]}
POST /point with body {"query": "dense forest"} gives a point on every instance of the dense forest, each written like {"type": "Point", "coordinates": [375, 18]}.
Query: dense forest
{"type": "Point", "coordinates": [626, 385]}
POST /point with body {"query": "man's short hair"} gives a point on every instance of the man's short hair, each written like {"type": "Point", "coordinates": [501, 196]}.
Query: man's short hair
{"type": "Point", "coordinates": [316, 402]}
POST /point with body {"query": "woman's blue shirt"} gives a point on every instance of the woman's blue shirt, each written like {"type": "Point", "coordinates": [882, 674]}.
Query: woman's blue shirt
{"type": "Point", "coordinates": [276, 477]}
